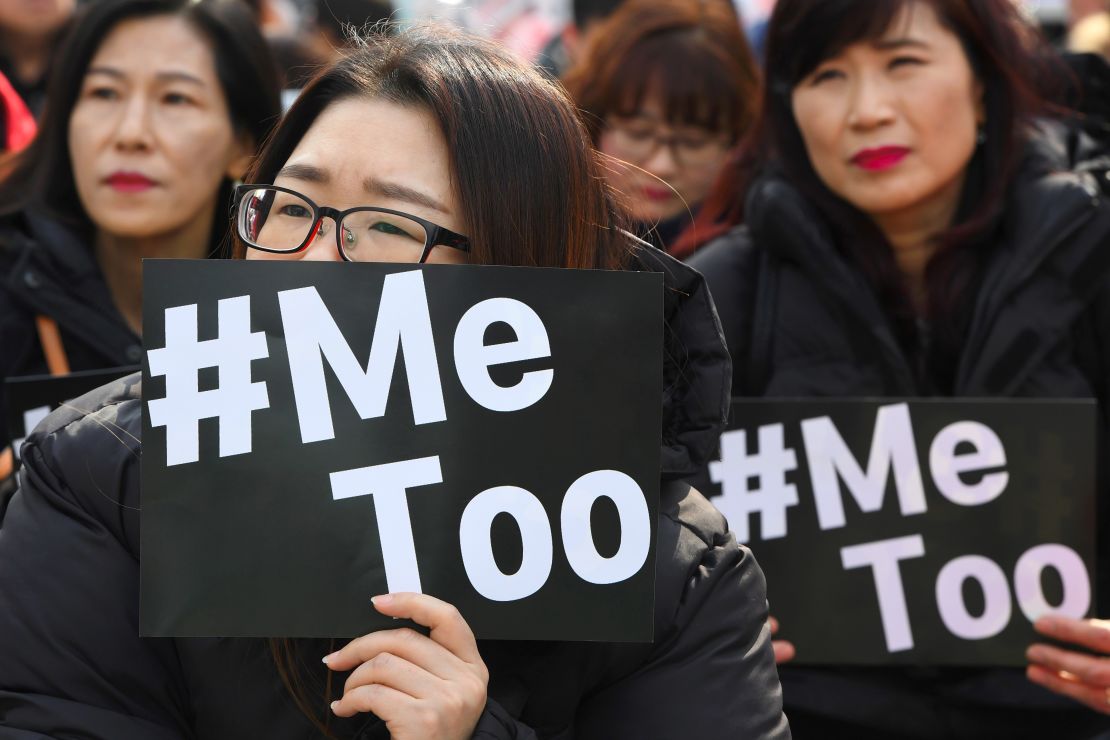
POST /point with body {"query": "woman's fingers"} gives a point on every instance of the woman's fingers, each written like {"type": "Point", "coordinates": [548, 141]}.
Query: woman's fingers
{"type": "Point", "coordinates": [420, 686]}
{"type": "Point", "coordinates": [448, 627]}
{"type": "Point", "coordinates": [784, 650]}
{"type": "Point", "coordinates": [378, 699]}
{"type": "Point", "coordinates": [1091, 633]}
{"type": "Point", "coordinates": [395, 672]}
{"type": "Point", "coordinates": [405, 643]}
{"type": "Point", "coordinates": [1087, 669]}
{"type": "Point", "coordinates": [1094, 697]}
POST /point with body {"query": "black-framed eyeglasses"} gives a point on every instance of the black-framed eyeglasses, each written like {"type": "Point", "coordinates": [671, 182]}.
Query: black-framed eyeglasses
{"type": "Point", "coordinates": [279, 220]}
{"type": "Point", "coordinates": [637, 141]}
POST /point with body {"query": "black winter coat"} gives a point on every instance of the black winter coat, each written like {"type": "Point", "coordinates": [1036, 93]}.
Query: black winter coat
{"type": "Point", "coordinates": [801, 321]}
{"type": "Point", "coordinates": [73, 666]}
{"type": "Point", "coordinates": [48, 270]}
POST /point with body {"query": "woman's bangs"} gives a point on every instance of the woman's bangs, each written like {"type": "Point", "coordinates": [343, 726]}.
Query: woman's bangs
{"type": "Point", "coordinates": [813, 32]}
{"type": "Point", "coordinates": [694, 86]}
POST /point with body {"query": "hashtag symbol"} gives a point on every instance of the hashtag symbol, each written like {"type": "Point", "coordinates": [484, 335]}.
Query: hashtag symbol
{"type": "Point", "coordinates": [234, 398]}
{"type": "Point", "coordinates": [770, 496]}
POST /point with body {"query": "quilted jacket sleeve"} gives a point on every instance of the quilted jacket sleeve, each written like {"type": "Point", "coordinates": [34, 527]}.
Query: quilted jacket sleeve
{"type": "Point", "coordinates": [73, 664]}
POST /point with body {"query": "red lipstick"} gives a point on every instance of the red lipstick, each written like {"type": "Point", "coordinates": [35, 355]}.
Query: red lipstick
{"type": "Point", "coordinates": [657, 194]}
{"type": "Point", "coordinates": [129, 182]}
{"type": "Point", "coordinates": [881, 158]}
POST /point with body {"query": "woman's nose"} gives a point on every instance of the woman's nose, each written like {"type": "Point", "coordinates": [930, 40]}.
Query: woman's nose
{"type": "Point", "coordinates": [662, 161]}
{"type": "Point", "coordinates": [133, 128]}
{"type": "Point", "coordinates": [869, 104]}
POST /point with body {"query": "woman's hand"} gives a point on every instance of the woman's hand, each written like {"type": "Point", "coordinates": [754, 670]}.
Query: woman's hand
{"type": "Point", "coordinates": [1083, 677]}
{"type": "Point", "coordinates": [421, 687]}
{"type": "Point", "coordinates": [784, 650]}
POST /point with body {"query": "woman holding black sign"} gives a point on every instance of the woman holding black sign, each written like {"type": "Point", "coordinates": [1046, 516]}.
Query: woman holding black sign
{"type": "Point", "coordinates": [475, 158]}
{"type": "Point", "coordinates": [154, 108]}
{"type": "Point", "coordinates": [910, 228]}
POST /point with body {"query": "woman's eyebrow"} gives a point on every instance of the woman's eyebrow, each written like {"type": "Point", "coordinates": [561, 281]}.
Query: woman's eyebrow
{"type": "Point", "coordinates": [402, 192]}
{"type": "Point", "coordinates": [899, 43]}
{"type": "Point", "coordinates": [172, 75]}
{"type": "Point", "coordinates": [304, 172]}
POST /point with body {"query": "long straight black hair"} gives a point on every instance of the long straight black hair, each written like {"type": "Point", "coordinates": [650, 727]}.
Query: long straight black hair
{"type": "Point", "coordinates": [41, 176]}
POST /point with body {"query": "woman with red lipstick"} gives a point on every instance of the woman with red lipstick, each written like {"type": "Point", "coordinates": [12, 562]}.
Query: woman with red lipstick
{"type": "Point", "coordinates": [667, 88]}
{"type": "Point", "coordinates": [911, 226]}
{"type": "Point", "coordinates": [155, 107]}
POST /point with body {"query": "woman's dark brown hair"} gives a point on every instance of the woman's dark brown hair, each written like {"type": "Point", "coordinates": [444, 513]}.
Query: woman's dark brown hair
{"type": "Point", "coordinates": [524, 171]}
{"type": "Point", "coordinates": [525, 174]}
{"type": "Point", "coordinates": [1007, 58]}
{"type": "Point", "coordinates": [691, 53]}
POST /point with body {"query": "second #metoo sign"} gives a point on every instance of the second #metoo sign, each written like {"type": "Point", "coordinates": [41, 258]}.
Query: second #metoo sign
{"type": "Point", "coordinates": [918, 531]}
{"type": "Point", "coordinates": [315, 434]}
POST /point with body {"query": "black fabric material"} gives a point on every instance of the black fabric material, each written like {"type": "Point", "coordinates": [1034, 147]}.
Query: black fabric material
{"type": "Point", "coordinates": [74, 666]}
{"type": "Point", "coordinates": [1038, 330]}
{"type": "Point", "coordinates": [697, 370]}
{"type": "Point", "coordinates": [47, 269]}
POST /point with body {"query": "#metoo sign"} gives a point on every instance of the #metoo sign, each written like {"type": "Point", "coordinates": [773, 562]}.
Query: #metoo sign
{"type": "Point", "coordinates": [914, 532]}
{"type": "Point", "coordinates": [315, 434]}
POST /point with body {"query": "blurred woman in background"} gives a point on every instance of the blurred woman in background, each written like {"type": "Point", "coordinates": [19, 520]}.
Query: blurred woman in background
{"type": "Point", "coordinates": [667, 88]}
{"type": "Point", "coordinates": [29, 35]}
{"type": "Point", "coordinates": [912, 228]}
{"type": "Point", "coordinates": [155, 108]}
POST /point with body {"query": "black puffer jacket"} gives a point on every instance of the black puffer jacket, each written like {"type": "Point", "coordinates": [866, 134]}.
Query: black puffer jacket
{"type": "Point", "coordinates": [801, 321]}
{"type": "Point", "coordinates": [48, 270]}
{"type": "Point", "coordinates": [73, 665]}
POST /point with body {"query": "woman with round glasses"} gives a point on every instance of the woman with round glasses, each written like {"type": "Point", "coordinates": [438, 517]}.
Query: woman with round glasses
{"type": "Point", "coordinates": [667, 88]}
{"type": "Point", "coordinates": [392, 155]}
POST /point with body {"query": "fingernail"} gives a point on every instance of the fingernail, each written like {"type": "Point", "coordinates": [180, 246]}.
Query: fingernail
{"type": "Point", "coordinates": [381, 600]}
{"type": "Point", "coordinates": [333, 706]}
{"type": "Point", "coordinates": [327, 658]}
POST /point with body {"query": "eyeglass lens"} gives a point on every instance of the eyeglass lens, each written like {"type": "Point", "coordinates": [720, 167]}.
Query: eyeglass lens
{"type": "Point", "coordinates": [640, 143]}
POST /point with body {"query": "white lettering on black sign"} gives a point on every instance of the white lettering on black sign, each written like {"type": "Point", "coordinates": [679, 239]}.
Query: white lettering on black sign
{"type": "Point", "coordinates": [403, 328]}
{"type": "Point", "coordinates": [967, 466]}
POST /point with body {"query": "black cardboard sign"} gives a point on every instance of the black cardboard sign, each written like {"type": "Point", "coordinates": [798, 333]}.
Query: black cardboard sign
{"type": "Point", "coordinates": [914, 531]}
{"type": "Point", "coordinates": [30, 398]}
{"type": "Point", "coordinates": [315, 434]}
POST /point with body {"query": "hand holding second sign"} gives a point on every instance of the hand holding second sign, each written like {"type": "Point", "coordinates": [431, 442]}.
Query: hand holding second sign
{"type": "Point", "coordinates": [1083, 677]}
{"type": "Point", "coordinates": [420, 686]}
{"type": "Point", "coordinates": [784, 650]}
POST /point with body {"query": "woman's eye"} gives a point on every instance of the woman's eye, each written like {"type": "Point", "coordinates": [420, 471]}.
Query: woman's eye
{"type": "Point", "coordinates": [825, 75]}
{"type": "Point", "coordinates": [102, 93]}
{"type": "Point", "coordinates": [693, 143]}
{"type": "Point", "coordinates": [385, 227]}
{"type": "Point", "coordinates": [294, 211]}
{"type": "Point", "coordinates": [639, 134]}
{"type": "Point", "coordinates": [905, 62]}
{"type": "Point", "coordinates": [175, 98]}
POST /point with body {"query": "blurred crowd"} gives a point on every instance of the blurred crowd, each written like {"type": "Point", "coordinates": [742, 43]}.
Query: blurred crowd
{"type": "Point", "coordinates": [858, 181]}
